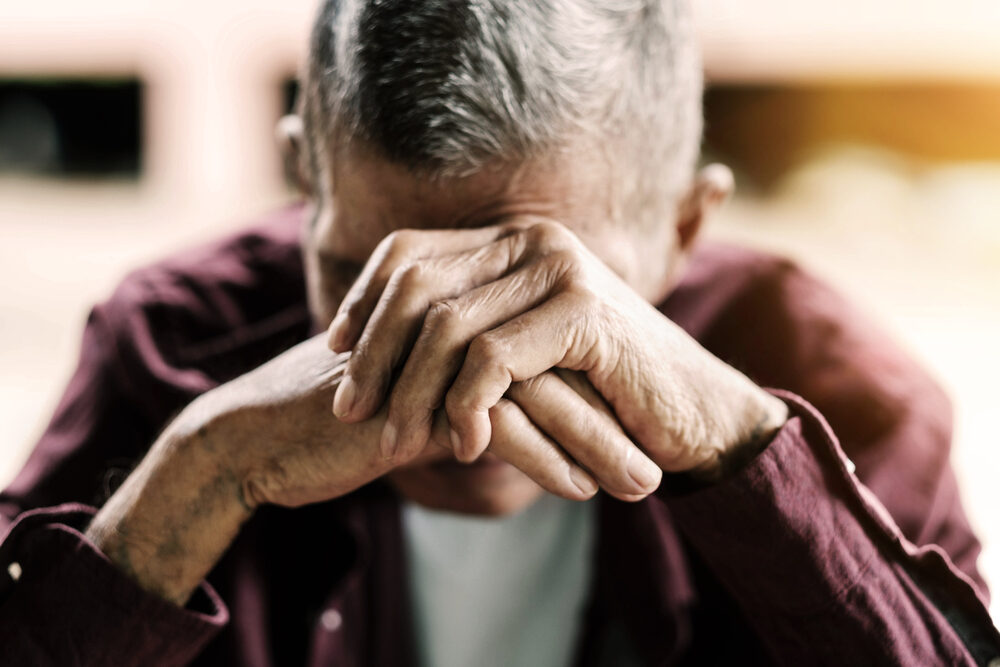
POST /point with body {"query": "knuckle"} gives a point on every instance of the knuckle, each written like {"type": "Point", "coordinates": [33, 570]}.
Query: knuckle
{"type": "Point", "coordinates": [351, 306]}
{"type": "Point", "coordinates": [443, 318]}
{"type": "Point", "coordinates": [396, 248]}
{"type": "Point", "coordinates": [584, 297]}
{"type": "Point", "coordinates": [566, 262]}
{"type": "Point", "coordinates": [548, 234]}
{"type": "Point", "coordinates": [502, 412]}
{"type": "Point", "coordinates": [358, 365]}
{"type": "Point", "coordinates": [486, 350]}
{"type": "Point", "coordinates": [455, 405]}
{"type": "Point", "coordinates": [461, 405]}
{"type": "Point", "coordinates": [391, 239]}
{"type": "Point", "coordinates": [398, 240]}
{"type": "Point", "coordinates": [410, 278]}
{"type": "Point", "coordinates": [365, 366]}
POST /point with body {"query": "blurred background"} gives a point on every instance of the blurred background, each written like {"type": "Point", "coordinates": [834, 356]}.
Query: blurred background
{"type": "Point", "coordinates": [865, 135]}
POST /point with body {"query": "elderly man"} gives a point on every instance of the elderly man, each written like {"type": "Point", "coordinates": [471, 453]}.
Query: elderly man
{"type": "Point", "coordinates": [533, 429]}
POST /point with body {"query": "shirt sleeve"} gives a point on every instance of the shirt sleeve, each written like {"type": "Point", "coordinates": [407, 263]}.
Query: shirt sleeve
{"type": "Point", "coordinates": [67, 604]}
{"type": "Point", "coordinates": [62, 602]}
{"type": "Point", "coordinates": [818, 566]}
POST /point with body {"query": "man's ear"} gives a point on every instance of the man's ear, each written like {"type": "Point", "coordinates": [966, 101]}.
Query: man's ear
{"type": "Point", "coordinates": [711, 188]}
{"type": "Point", "coordinates": [291, 142]}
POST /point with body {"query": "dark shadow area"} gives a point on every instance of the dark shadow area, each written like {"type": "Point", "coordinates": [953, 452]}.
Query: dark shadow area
{"type": "Point", "coordinates": [71, 127]}
{"type": "Point", "coordinates": [289, 94]}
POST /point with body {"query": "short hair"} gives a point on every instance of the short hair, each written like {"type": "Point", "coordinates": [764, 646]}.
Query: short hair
{"type": "Point", "coordinates": [446, 87]}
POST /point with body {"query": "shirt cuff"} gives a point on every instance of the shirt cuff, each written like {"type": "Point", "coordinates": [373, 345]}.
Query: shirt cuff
{"type": "Point", "coordinates": [679, 484]}
{"type": "Point", "coordinates": [798, 541]}
{"type": "Point", "coordinates": [63, 602]}
{"type": "Point", "coordinates": [782, 514]}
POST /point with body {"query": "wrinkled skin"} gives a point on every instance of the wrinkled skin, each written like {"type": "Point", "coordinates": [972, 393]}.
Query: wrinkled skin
{"type": "Point", "coordinates": [472, 289]}
{"type": "Point", "coordinates": [501, 319]}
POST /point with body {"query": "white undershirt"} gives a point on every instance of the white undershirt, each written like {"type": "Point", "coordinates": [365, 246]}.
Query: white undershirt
{"type": "Point", "coordinates": [499, 592]}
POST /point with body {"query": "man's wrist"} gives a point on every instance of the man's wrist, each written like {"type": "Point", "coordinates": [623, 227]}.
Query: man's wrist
{"type": "Point", "coordinates": [175, 515]}
{"type": "Point", "coordinates": [764, 416]}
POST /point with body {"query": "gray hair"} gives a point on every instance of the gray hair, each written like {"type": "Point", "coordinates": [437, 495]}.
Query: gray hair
{"type": "Point", "coordinates": [446, 87]}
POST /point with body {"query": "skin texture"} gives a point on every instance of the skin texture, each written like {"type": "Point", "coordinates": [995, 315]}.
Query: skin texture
{"type": "Point", "coordinates": [489, 338]}
{"type": "Point", "coordinates": [461, 319]}
{"type": "Point", "coordinates": [377, 211]}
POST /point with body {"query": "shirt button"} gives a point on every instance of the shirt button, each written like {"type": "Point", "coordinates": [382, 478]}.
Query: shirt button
{"type": "Point", "coordinates": [14, 570]}
{"type": "Point", "coordinates": [332, 620]}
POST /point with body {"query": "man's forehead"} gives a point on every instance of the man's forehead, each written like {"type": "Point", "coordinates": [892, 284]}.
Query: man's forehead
{"type": "Point", "coordinates": [373, 197]}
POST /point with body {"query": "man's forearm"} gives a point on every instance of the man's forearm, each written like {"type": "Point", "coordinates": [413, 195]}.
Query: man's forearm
{"type": "Point", "coordinates": [177, 513]}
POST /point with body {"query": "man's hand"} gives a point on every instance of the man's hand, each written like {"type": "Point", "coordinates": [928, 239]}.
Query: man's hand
{"type": "Point", "coordinates": [463, 316]}
{"type": "Point", "coordinates": [269, 437]}
{"type": "Point", "coordinates": [287, 449]}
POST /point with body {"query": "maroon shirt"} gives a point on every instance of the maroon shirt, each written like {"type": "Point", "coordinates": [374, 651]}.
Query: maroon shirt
{"type": "Point", "coordinates": [792, 560]}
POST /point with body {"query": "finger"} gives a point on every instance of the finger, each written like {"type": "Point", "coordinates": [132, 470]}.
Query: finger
{"type": "Point", "coordinates": [405, 246]}
{"type": "Point", "coordinates": [440, 348]}
{"type": "Point", "coordinates": [438, 447]}
{"type": "Point", "coordinates": [399, 314]}
{"type": "Point", "coordinates": [521, 348]}
{"type": "Point", "coordinates": [396, 250]}
{"type": "Point", "coordinates": [589, 433]}
{"type": "Point", "coordinates": [520, 443]}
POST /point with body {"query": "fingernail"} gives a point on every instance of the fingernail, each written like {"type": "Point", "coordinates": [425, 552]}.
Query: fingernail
{"type": "Point", "coordinates": [343, 400]}
{"type": "Point", "coordinates": [583, 481]}
{"type": "Point", "coordinates": [338, 331]}
{"type": "Point", "coordinates": [456, 442]}
{"type": "Point", "coordinates": [389, 440]}
{"type": "Point", "coordinates": [644, 472]}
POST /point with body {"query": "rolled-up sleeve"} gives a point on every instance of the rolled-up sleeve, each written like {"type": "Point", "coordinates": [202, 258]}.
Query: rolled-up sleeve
{"type": "Point", "coordinates": [820, 569]}
{"type": "Point", "coordinates": [62, 602]}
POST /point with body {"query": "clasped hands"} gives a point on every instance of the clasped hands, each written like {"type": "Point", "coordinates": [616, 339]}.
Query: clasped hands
{"type": "Point", "coordinates": [514, 338]}
{"type": "Point", "coordinates": [531, 347]}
